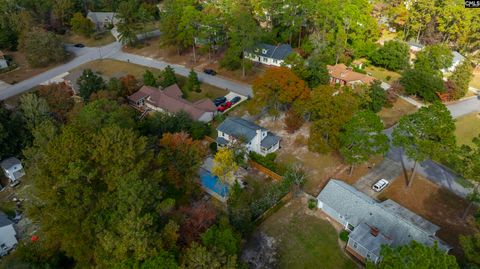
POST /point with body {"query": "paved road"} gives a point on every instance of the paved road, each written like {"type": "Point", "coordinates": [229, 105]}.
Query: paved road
{"type": "Point", "coordinates": [82, 56]}
{"type": "Point", "coordinates": [466, 106]}
{"type": "Point", "coordinates": [217, 81]}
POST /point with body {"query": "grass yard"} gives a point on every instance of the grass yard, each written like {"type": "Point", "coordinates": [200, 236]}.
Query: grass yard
{"type": "Point", "coordinates": [382, 73]}
{"type": "Point", "coordinates": [468, 127]}
{"type": "Point", "coordinates": [24, 71]}
{"type": "Point", "coordinates": [475, 80]}
{"type": "Point", "coordinates": [102, 39]}
{"type": "Point", "coordinates": [305, 240]}
{"type": "Point", "coordinates": [111, 68]}
{"type": "Point", "coordinates": [437, 205]}
{"type": "Point", "coordinates": [208, 91]}
{"type": "Point", "coordinates": [392, 115]}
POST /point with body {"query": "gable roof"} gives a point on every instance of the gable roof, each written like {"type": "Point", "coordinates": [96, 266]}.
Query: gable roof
{"type": "Point", "coordinates": [239, 128]}
{"type": "Point", "coordinates": [9, 163]}
{"type": "Point", "coordinates": [457, 57]}
{"type": "Point", "coordinates": [279, 52]}
{"type": "Point", "coordinates": [101, 17]}
{"type": "Point", "coordinates": [394, 221]}
{"type": "Point", "coordinates": [170, 99]}
{"type": "Point", "coordinates": [343, 72]}
{"type": "Point", "coordinates": [4, 221]}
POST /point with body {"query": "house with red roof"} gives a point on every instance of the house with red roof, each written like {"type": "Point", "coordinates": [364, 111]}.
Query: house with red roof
{"type": "Point", "coordinates": [345, 76]}
{"type": "Point", "coordinates": [170, 100]}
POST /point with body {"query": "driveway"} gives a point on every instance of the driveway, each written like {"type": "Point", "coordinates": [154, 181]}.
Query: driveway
{"type": "Point", "coordinates": [388, 169]}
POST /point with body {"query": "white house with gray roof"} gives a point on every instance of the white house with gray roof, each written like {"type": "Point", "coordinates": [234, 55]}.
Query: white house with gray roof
{"type": "Point", "coordinates": [269, 54]}
{"type": "Point", "coordinates": [255, 138]}
{"type": "Point", "coordinates": [456, 60]}
{"type": "Point", "coordinates": [8, 239]}
{"type": "Point", "coordinates": [102, 20]}
{"type": "Point", "coordinates": [13, 169]}
{"type": "Point", "coordinates": [372, 223]}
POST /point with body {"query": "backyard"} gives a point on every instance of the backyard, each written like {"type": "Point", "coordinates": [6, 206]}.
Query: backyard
{"type": "Point", "coordinates": [435, 204]}
{"type": "Point", "coordinates": [392, 115]}
{"type": "Point", "coordinates": [304, 240]}
{"type": "Point", "coordinates": [467, 127]}
{"type": "Point", "coordinates": [294, 149]}
{"type": "Point", "coordinates": [382, 74]}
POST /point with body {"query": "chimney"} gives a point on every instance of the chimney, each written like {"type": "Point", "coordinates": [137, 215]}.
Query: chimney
{"type": "Point", "coordinates": [374, 231]}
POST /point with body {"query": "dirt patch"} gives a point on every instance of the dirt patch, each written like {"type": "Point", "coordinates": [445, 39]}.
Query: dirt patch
{"type": "Point", "coordinates": [392, 115]}
{"type": "Point", "coordinates": [152, 49]}
{"type": "Point", "coordinates": [294, 149]}
{"type": "Point", "coordinates": [435, 204]}
{"type": "Point", "coordinates": [24, 71]}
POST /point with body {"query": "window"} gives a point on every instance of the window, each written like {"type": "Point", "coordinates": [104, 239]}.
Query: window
{"type": "Point", "coordinates": [355, 245]}
{"type": "Point", "coordinates": [265, 59]}
{"type": "Point", "coordinates": [368, 256]}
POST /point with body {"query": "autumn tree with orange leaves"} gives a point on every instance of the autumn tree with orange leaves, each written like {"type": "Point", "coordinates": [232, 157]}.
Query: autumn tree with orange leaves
{"type": "Point", "coordinates": [180, 159]}
{"type": "Point", "coordinates": [279, 89]}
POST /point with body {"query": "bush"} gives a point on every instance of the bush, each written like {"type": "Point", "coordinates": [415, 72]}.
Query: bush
{"type": "Point", "coordinates": [344, 236]}
{"type": "Point", "coordinates": [293, 121]}
{"type": "Point", "coordinates": [312, 204]}
{"type": "Point", "coordinates": [213, 147]}
{"type": "Point", "coordinates": [268, 161]}
{"type": "Point", "coordinates": [388, 78]}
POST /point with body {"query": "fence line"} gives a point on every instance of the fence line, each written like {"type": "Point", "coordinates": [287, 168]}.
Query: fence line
{"type": "Point", "coordinates": [265, 170]}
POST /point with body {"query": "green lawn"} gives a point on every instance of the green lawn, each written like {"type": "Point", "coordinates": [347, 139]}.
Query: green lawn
{"type": "Point", "coordinates": [208, 91]}
{"type": "Point", "coordinates": [468, 127]}
{"type": "Point", "coordinates": [304, 241]}
{"type": "Point", "coordinates": [103, 39]}
{"type": "Point", "coordinates": [382, 73]}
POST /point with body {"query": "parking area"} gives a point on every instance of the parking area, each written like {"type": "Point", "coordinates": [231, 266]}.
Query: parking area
{"type": "Point", "coordinates": [387, 169]}
{"type": "Point", "coordinates": [229, 97]}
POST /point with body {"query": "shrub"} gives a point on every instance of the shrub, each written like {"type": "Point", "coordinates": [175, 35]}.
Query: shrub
{"type": "Point", "coordinates": [344, 236]}
{"type": "Point", "coordinates": [300, 140]}
{"type": "Point", "coordinates": [388, 78]}
{"type": "Point", "coordinates": [268, 161]}
{"type": "Point", "coordinates": [312, 204]}
{"type": "Point", "coordinates": [293, 121]}
{"type": "Point", "coordinates": [213, 147]}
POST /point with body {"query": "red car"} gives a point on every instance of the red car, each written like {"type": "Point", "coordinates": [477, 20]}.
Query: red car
{"type": "Point", "coordinates": [224, 107]}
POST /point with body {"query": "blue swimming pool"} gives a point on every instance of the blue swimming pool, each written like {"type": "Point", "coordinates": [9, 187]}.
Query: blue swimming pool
{"type": "Point", "coordinates": [212, 183]}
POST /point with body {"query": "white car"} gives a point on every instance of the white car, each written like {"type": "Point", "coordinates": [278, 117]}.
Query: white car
{"type": "Point", "coordinates": [380, 185]}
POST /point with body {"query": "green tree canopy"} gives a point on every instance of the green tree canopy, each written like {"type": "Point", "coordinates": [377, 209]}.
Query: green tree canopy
{"type": "Point", "coordinates": [193, 84]}
{"type": "Point", "coordinates": [43, 48]}
{"type": "Point", "coordinates": [378, 97]}
{"type": "Point", "coordinates": [168, 77]}
{"type": "Point", "coordinates": [89, 83]}
{"type": "Point", "coordinates": [434, 58]}
{"type": "Point", "coordinates": [362, 137]}
{"type": "Point", "coordinates": [461, 78]}
{"type": "Point", "coordinates": [413, 256]}
{"type": "Point", "coordinates": [428, 133]}
{"type": "Point", "coordinates": [149, 79]}
{"type": "Point", "coordinates": [422, 83]}
{"type": "Point", "coordinates": [81, 25]}
{"type": "Point", "coordinates": [393, 55]}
